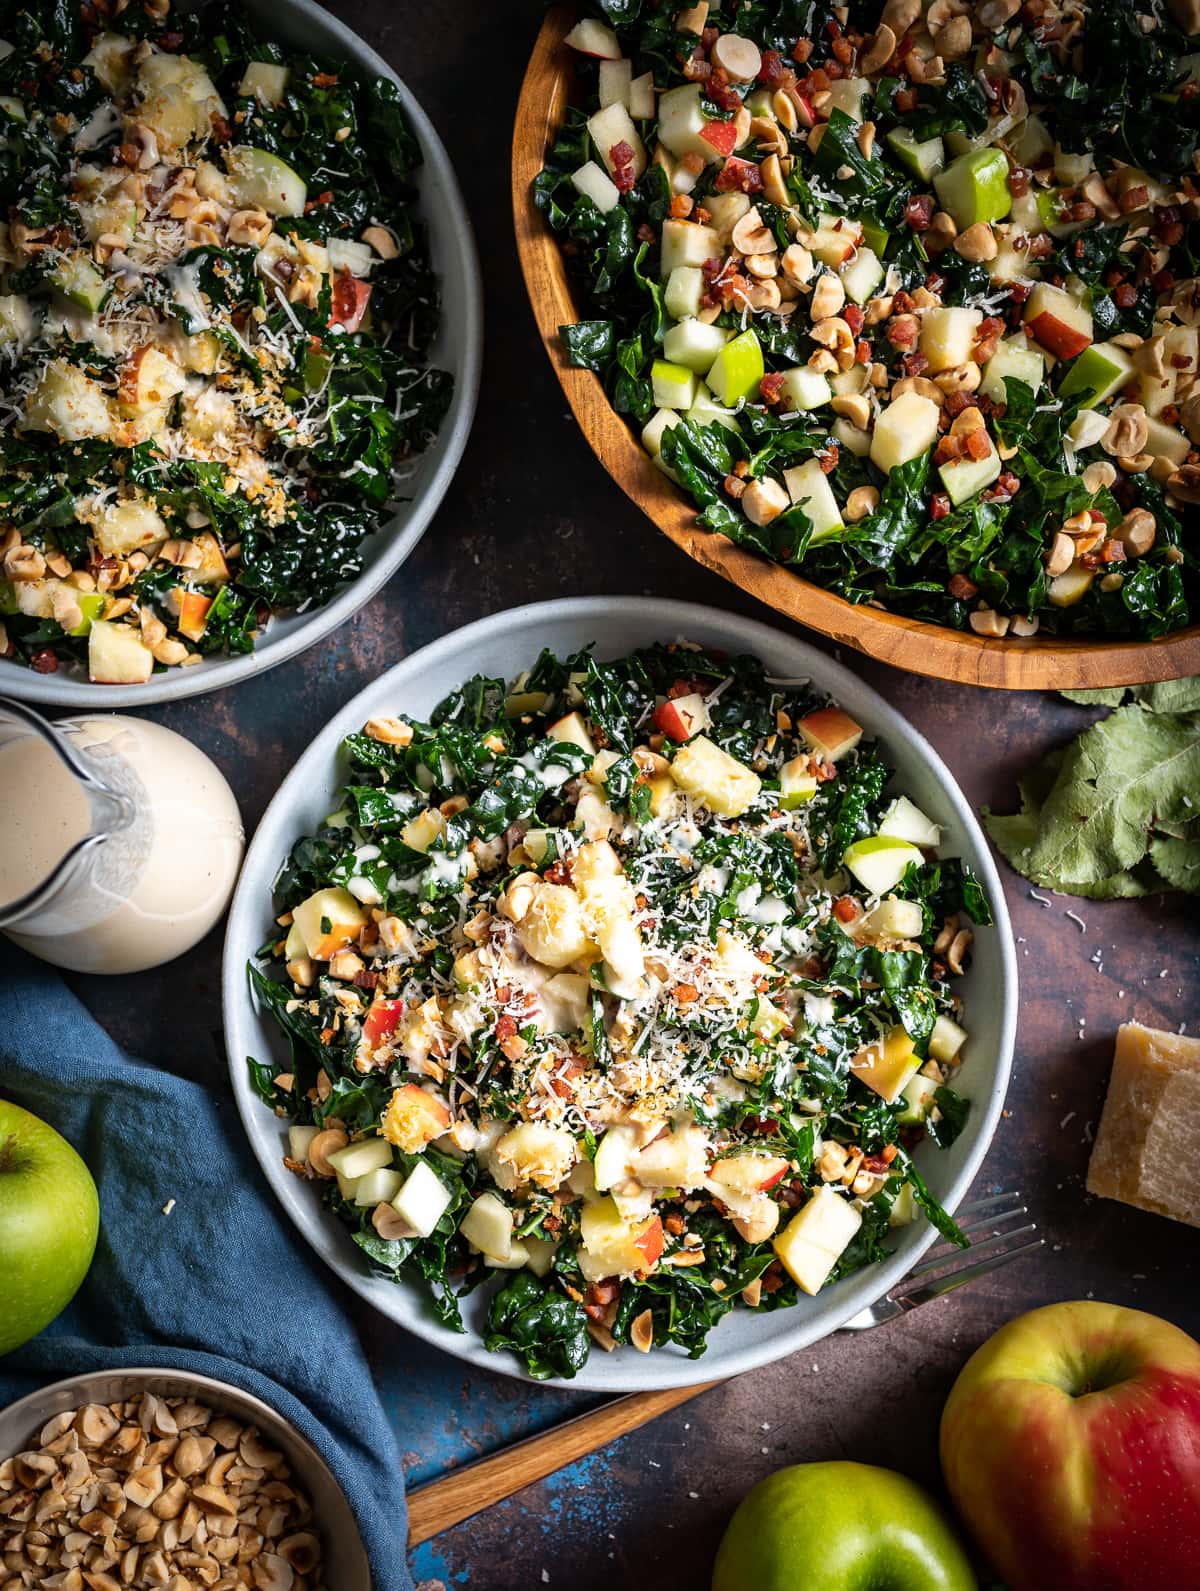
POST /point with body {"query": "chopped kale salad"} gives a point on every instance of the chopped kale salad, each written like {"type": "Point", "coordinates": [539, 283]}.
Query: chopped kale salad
{"type": "Point", "coordinates": [216, 309]}
{"type": "Point", "coordinates": [905, 298]}
{"type": "Point", "coordinates": [628, 984]}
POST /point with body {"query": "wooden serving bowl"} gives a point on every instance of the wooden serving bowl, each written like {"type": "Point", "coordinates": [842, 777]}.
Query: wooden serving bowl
{"type": "Point", "coordinates": [1040, 663]}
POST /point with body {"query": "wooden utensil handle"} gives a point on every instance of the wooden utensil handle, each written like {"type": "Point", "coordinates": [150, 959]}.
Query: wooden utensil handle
{"type": "Point", "coordinates": [442, 1503]}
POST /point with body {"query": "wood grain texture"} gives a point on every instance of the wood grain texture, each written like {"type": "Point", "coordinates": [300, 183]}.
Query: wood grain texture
{"type": "Point", "coordinates": [1041, 663]}
{"type": "Point", "coordinates": [468, 1491]}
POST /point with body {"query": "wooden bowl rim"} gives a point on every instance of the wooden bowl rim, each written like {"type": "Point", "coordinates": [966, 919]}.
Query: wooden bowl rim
{"type": "Point", "coordinates": [1039, 663]}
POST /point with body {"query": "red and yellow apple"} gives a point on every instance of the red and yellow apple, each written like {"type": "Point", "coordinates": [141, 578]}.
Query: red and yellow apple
{"type": "Point", "coordinates": [1071, 1447]}
{"type": "Point", "coordinates": [1059, 322]}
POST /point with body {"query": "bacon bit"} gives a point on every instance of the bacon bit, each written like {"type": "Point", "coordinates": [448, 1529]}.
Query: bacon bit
{"type": "Point", "coordinates": [771, 388]}
{"type": "Point", "coordinates": [949, 447]}
{"type": "Point", "coordinates": [365, 978]}
{"type": "Point", "coordinates": [902, 331]}
{"type": "Point", "coordinates": [324, 79]}
{"type": "Point", "coordinates": [772, 1277]}
{"type": "Point", "coordinates": [823, 771]}
{"type": "Point", "coordinates": [646, 233]}
{"type": "Point", "coordinates": [801, 50]}
{"type": "Point", "coordinates": [621, 157]}
{"type": "Point", "coordinates": [506, 1026]}
{"type": "Point", "coordinates": [170, 42]}
{"type": "Point", "coordinates": [772, 68]}
{"type": "Point", "coordinates": [1019, 292]}
{"type": "Point", "coordinates": [740, 175]}
{"type": "Point", "coordinates": [935, 283]}
{"type": "Point", "coordinates": [1135, 198]}
{"type": "Point", "coordinates": [327, 1035]}
{"type": "Point", "coordinates": [846, 909]}
{"type": "Point", "coordinates": [915, 364]}
{"type": "Point", "coordinates": [675, 1224]}
{"type": "Point", "coordinates": [681, 206]}
{"type": "Point", "coordinates": [862, 352]}
{"type": "Point", "coordinates": [961, 588]}
{"type": "Point", "coordinates": [733, 486]}
{"type": "Point", "coordinates": [44, 661]}
{"type": "Point", "coordinates": [854, 317]}
{"type": "Point", "coordinates": [1112, 551]}
{"type": "Point", "coordinates": [1019, 178]}
{"type": "Point", "coordinates": [702, 215]}
{"type": "Point", "coordinates": [1008, 485]}
{"type": "Point", "coordinates": [939, 506]}
{"type": "Point", "coordinates": [693, 163]}
{"type": "Point", "coordinates": [843, 51]}
{"type": "Point", "coordinates": [222, 128]}
{"type": "Point", "coordinates": [1163, 282]}
{"type": "Point", "coordinates": [904, 99]}
{"type": "Point", "coordinates": [717, 89]}
{"type": "Point", "coordinates": [685, 993]}
{"type": "Point", "coordinates": [696, 68]}
{"type": "Point", "coordinates": [978, 443]}
{"type": "Point", "coordinates": [557, 873]}
{"type": "Point", "coordinates": [1125, 296]}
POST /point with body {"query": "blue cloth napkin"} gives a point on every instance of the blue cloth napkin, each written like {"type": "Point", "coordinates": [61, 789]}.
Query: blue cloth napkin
{"type": "Point", "coordinates": [221, 1285]}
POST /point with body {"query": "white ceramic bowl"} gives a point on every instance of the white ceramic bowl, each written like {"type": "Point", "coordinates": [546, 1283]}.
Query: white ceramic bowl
{"type": "Point", "coordinates": [458, 349]}
{"type": "Point", "coordinates": [345, 1558]}
{"type": "Point", "coordinates": [503, 645]}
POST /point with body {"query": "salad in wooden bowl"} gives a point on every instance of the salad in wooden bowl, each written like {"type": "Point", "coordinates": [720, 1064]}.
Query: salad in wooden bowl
{"type": "Point", "coordinates": [904, 303]}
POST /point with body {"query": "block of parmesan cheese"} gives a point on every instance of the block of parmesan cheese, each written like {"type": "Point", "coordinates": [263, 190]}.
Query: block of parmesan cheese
{"type": "Point", "coordinates": [1145, 1151]}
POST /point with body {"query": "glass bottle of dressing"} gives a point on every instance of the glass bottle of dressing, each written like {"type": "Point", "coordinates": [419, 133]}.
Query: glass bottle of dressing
{"type": "Point", "coordinates": [119, 840]}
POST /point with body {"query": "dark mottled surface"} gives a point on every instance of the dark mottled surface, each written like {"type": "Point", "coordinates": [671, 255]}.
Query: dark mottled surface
{"type": "Point", "coordinates": [532, 515]}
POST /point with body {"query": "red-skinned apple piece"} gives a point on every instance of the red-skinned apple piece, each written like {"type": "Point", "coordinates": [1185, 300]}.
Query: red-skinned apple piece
{"type": "Point", "coordinates": [593, 38]}
{"type": "Point", "coordinates": [721, 135]}
{"type": "Point", "coordinates": [1071, 1447]}
{"type": "Point", "coordinates": [381, 1020]}
{"type": "Point", "coordinates": [1058, 321]}
{"type": "Point", "coordinates": [776, 1176]}
{"type": "Point", "coordinates": [830, 731]}
{"type": "Point", "coordinates": [350, 299]}
{"type": "Point", "coordinates": [681, 717]}
{"type": "Point", "coordinates": [649, 1242]}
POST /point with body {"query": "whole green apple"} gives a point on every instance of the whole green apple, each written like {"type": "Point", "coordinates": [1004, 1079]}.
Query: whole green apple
{"type": "Point", "coordinates": [1071, 1447]}
{"type": "Point", "coordinates": [49, 1220]}
{"type": "Point", "coordinates": [840, 1527]}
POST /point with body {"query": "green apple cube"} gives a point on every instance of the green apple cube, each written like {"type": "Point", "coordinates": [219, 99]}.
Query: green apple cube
{"type": "Point", "coordinates": [962, 143]}
{"type": "Point", "coordinates": [861, 275]}
{"type": "Point", "coordinates": [904, 1209]}
{"type": "Point", "coordinates": [975, 187]}
{"type": "Point", "coordinates": [904, 430]}
{"type": "Point", "coordinates": [707, 411]}
{"type": "Point", "coordinates": [615, 78]}
{"type": "Point", "coordinates": [117, 654]}
{"type": "Point", "coordinates": [1016, 359]}
{"type": "Point", "coordinates": [836, 240]}
{"type": "Point", "coordinates": [1086, 429]}
{"type": "Point", "coordinates": [797, 783]}
{"type": "Point", "coordinates": [814, 1240]}
{"type": "Point", "coordinates": [687, 243]}
{"type": "Point", "coordinates": [488, 1226]}
{"type": "Point", "coordinates": [946, 1039]}
{"type": "Point", "coordinates": [804, 388]}
{"type": "Point", "coordinates": [674, 385]}
{"type": "Point", "coordinates": [13, 108]}
{"type": "Point", "coordinates": [652, 431]}
{"type": "Point", "coordinates": [849, 436]}
{"type": "Point", "coordinates": [91, 606]}
{"type": "Point", "coordinates": [684, 290]}
{"type": "Point", "coordinates": [377, 1187]}
{"type": "Point", "coordinates": [681, 120]}
{"type": "Point", "coordinates": [916, 1100]}
{"type": "Point", "coordinates": [694, 345]}
{"type": "Point", "coordinates": [1100, 370]}
{"type": "Point", "coordinates": [422, 1200]}
{"type": "Point", "coordinates": [360, 1157]}
{"type": "Point", "coordinates": [948, 336]}
{"type": "Point", "coordinates": [595, 184]}
{"type": "Point", "coordinates": [847, 94]}
{"type": "Point", "coordinates": [904, 820]}
{"type": "Point", "coordinates": [1070, 587]}
{"type": "Point", "coordinates": [809, 488]}
{"type": "Point", "coordinates": [923, 157]}
{"type": "Point", "coordinates": [1165, 442]}
{"type": "Point", "coordinates": [264, 81]}
{"type": "Point", "coordinates": [610, 127]}
{"type": "Point", "coordinates": [880, 862]}
{"type": "Point", "coordinates": [876, 237]}
{"type": "Point", "coordinates": [1030, 141]}
{"type": "Point", "coordinates": [1071, 169]}
{"type": "Point", "coordinates": [737, 370]}
{"type": "Point", "coordinates": [259, 180]}
{"type": "Point", "coordinates": [80, 283]}
{"type": "Point", "coordinates": [966, 477]}
{"type": "Point", "coordinates": [894, 918]}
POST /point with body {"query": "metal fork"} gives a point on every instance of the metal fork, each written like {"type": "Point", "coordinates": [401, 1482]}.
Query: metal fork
{"type": "Point", "coordinates": [464, 1492]}
{"type": "Point", "coordinates": [987, 1253]}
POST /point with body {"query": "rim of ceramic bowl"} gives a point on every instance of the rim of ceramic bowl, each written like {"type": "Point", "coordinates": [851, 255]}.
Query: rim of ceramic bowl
{"type": "Point", "coordinates": [386, 548]}
{"type": "Point", "coordinates": [314, 775]}
{"type": "Point", "coordinates": [27, 1413]}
